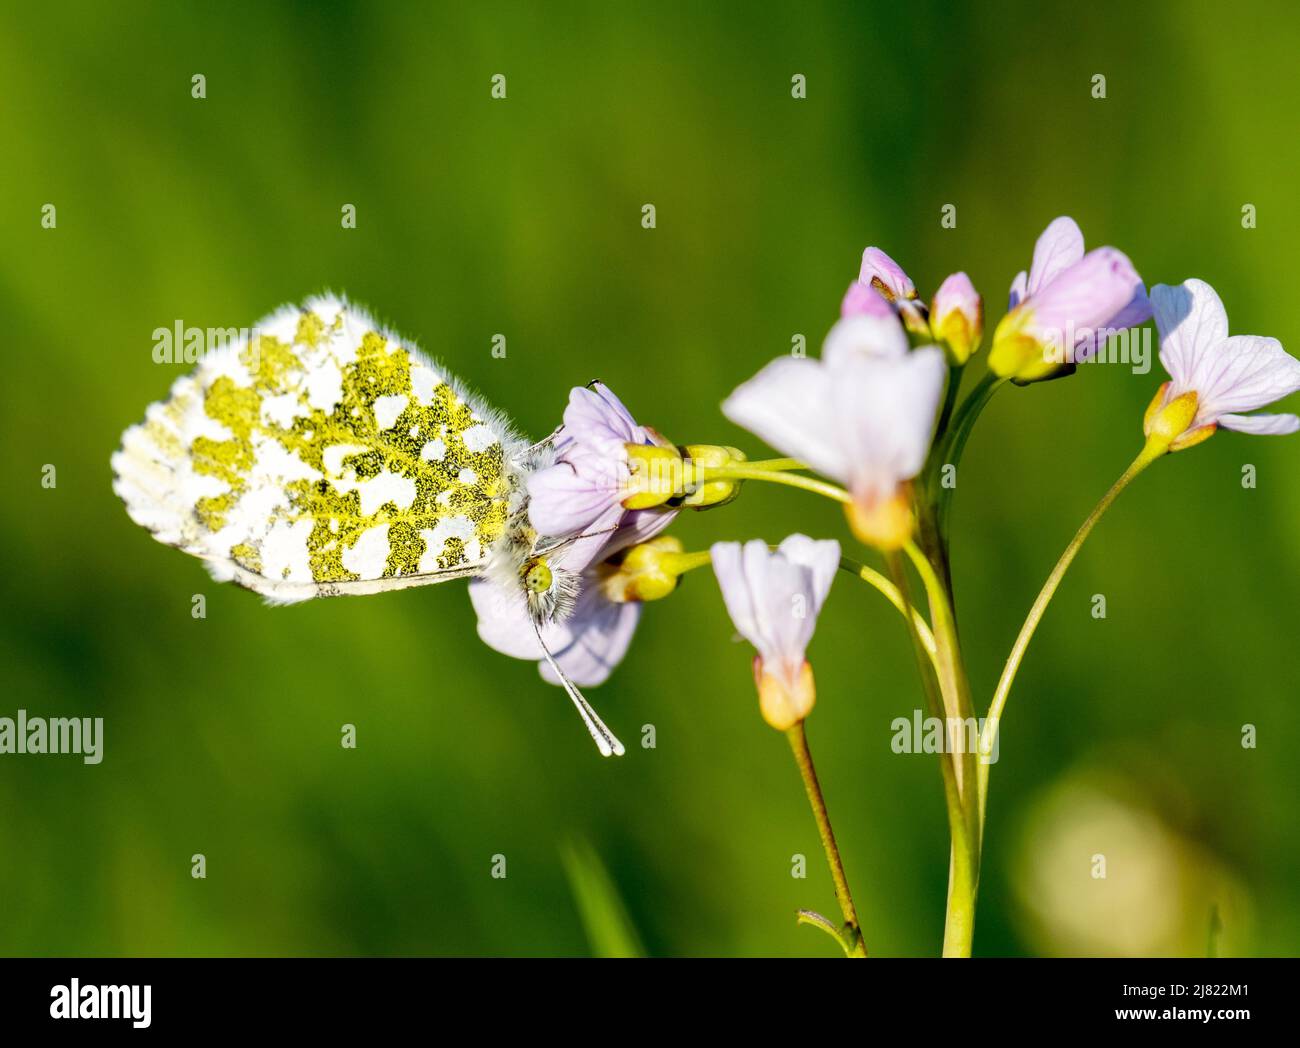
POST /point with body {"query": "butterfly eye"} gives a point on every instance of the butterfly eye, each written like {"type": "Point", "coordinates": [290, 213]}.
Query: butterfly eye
{"type": "Point", "coordinates": [537, 576]}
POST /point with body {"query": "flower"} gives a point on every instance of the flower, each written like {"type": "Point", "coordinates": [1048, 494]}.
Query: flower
{"type": "Point", "coordinates": [1066, 307]}
{"type": "Point", "coordinates": [862, 415]}
{"type": "Point", "coordinates": [883, 288]}
{"type": "Point", "coordinates": [590, 485]}
{"type": "Point", "coordinates": [1214, 376]}
{"type": "Point", "coordinates": [774, 598]}
{"type": "Point", "coordinates": [957, 318]}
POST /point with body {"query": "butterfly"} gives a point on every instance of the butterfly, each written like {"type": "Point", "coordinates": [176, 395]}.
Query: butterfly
{"type": "Point", "coordinates": [323, 455]}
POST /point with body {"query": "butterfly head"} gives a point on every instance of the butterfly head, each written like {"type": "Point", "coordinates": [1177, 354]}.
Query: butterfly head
{"type": "Point", "coordinates": [549, 590]}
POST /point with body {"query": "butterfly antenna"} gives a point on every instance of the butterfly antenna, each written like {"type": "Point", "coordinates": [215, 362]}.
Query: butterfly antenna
{"type": "Point", "coordinates": [606, 741]}
{"type": "Point", "coordinates": [559, 544]}
{"type": "Point", "coordinates": [546, 440]}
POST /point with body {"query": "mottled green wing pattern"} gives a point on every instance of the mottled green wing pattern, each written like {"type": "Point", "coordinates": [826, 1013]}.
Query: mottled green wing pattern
{"type": "Point", "coordinates": [321, 455]}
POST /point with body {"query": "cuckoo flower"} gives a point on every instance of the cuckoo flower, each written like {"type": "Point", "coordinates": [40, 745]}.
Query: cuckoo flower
{"type": "Point", "coordinates": [1067, 305]}
{"type": "Point", "coordinates": [1214, 376]}
{"type": "Point", "coordinates": [579, 644]}
{"type": "Point", "coordinates": [862, 415]}
{"type": "Point", "coordinates": [773, 597]}
{"type": "Point", "coordinates": [590, 487]}
{"type": "Point", "coordinates": [883, 288]}
{"type": "Point", "coordinates": [957, 318]}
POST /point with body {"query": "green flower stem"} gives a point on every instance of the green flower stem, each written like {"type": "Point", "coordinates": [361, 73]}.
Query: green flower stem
{"type": "Point", "coordinates": [954, 442]}
{"type": "Point", "coordinates": [1150, 452]}
{"type": "Point", "coordinates": [852, 931]}
{"type": "Point", "coordinates": [773, 464]}
{"type": "Point", "coordinates": [953, 684]}
{"type": "Point", "coordinates": [892, 594]}
{"type": "Point", "coordinates": [949, 401]}
{"type": "Point", "coordinates": [963, 860]}
{"type": "Point", "coordinates": [964, 419]}
{"type": "Point", "coordinates": [750, 471]}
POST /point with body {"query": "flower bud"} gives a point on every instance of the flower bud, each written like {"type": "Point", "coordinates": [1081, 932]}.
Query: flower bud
{"type": "Point", "coordinates": [881, 281]}
{"type": "Point", "coordinates": [710, 493]}
{"type": "Point", "coordinates": [957, 318]}
{"type": "Point", "coordinates": [885, 275]}
{"type": "Point", "coordinates": [648, 571]}
{"type": "Point", "coordinates": [656, 475]}
{"type": "Point", "coordinates": [784, 699]}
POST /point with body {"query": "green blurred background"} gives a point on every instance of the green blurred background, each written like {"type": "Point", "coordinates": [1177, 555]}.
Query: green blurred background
{"type": "Point", "coordinates": [522, 217]}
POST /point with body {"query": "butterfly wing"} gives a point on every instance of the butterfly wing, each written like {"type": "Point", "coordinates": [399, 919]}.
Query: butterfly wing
{"type": "Point", "coordinates": [322, 455]}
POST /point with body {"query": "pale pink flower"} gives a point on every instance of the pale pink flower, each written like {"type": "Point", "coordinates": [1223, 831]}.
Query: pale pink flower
{"type": "Point", "coordinates": [1229, 374]}
{"type": "Point", "coordinates": [774, 597]}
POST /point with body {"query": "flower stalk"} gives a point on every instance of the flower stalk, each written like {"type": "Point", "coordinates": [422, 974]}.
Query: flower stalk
{"type": "Point", "coordinates": [963, 862]}
{"type": "Point", "coordinates": [756, 471]}
{"type": "Point", "coordinates": [1154, 448]}
{"type": "Point", "coordinates": [850, 935]}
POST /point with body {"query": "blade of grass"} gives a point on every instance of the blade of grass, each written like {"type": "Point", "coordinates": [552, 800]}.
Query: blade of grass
{"type": "Point", "coordinates": [610, 930]}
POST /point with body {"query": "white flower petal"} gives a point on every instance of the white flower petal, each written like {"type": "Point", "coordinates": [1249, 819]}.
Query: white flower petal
{"type": "Point", "coordinates": [870, 334]}
{"type": "Point", "coordinates": [743, 578]}
{"type": "Point", "coordinates": [728, 566]}
{"type": "Point", "coordinates": [885, 410]}
{"type": "Point", "coordinates": [787, 404]}
{"type": "Point", "coordinates": [1243, 373]}
{"type": "Point", "coordinates": [1059, 247]}
{"type": "Point", "coordinates": [601, 633]}
{"type": "Point", "coordinates": [565, 499]}
{"type": "Point", "coordinates": [790, 609]}
{"type": "Point", "coordinates": [1192, 324]}
{"type": "Point", "coordinates": [601, 538]}
{"type": "Point", "coordinates": [820, 556]}
{"type": "Point", "coordinates": [1266, 425]}
{"type": "Point", "coordinates": [773, 598]}
{"type": "Point", "coordinates": [757, 564]}
{"type": "Point", "coordinates": [597, 416]}
{"type": "Point", "coordinates": [503, 622]}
